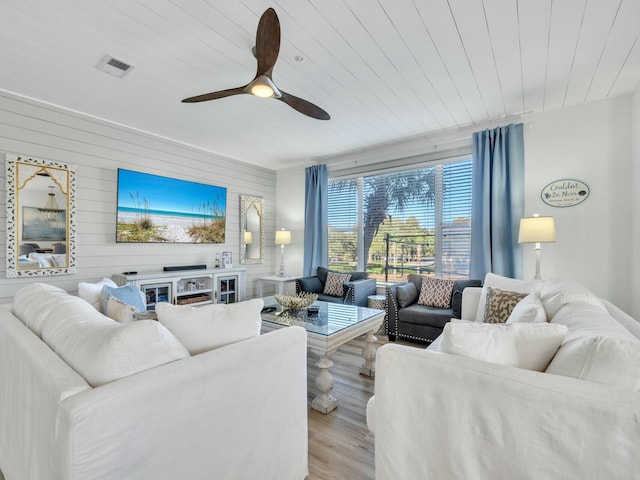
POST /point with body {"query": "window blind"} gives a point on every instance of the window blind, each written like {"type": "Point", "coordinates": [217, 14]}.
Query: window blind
{"type": "Point", "coordinates": [343, 224]}
{"type": "Point", "coordinates": [425, 213]}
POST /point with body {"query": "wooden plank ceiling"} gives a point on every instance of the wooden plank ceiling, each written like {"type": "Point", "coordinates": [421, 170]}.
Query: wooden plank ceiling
{"type": "Point", "coordinates": [386, 70]}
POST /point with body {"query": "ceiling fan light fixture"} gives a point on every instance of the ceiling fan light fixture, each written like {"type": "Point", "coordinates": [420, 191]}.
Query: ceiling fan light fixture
{"type": "Point", "coordinates": [263, 87]}
{"type": "Point", "coordinates": [262, 91]}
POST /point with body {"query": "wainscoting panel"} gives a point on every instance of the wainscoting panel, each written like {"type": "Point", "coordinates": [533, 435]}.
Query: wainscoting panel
{"type": "Point", "coordinates": [97, 149]}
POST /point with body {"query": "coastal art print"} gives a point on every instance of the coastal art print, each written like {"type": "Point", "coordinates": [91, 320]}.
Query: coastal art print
{"type": "Point", "coordinates": [155, 209]}
{"type": "Point", "coordinates": [39, 225]}
{"type": "Point", "coordinates": [565, 193]}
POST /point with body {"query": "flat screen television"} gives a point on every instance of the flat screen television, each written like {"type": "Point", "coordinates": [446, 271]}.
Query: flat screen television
{"type": "Point", "coordinates": [155, 209]}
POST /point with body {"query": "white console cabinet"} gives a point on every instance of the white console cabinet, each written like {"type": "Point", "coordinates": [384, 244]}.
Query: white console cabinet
{"type": "Point", "coordinates": [189, 287]}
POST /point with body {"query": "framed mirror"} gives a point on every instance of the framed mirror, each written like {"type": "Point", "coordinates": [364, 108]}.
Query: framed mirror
{"type": "Point", "coordinates": [251, 229]}
{"type": "Point", "coordinates": [40, 217]}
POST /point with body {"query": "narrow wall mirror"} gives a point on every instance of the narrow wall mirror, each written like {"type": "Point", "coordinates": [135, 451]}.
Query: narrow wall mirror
{"type": "Point", "coordinates": [251, 229]}
{"type": "Point", "coordinates": [40, 217]}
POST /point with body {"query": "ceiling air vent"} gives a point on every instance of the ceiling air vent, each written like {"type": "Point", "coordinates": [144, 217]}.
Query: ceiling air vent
{"type": "Point", "coordinates": [114, 67]}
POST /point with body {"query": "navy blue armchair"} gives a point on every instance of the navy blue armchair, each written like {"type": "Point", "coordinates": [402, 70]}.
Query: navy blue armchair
{"type": "Point", "coordinates": [354, 292]}
{"type": "Point", "coordinates": [408, 320]}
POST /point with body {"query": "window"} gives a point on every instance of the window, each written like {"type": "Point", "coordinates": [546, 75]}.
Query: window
{"type": "Point", "coordinates": [410, 221]}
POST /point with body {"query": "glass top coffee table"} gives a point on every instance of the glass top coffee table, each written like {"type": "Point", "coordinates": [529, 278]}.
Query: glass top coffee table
{"type": "Point", "coordinates": [335, 324]}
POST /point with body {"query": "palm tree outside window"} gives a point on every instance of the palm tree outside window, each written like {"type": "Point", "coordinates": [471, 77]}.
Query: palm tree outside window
{"type": "Point", "coordinates": [424, 212]}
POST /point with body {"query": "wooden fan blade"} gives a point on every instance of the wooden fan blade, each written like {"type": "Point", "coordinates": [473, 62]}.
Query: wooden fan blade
{"type": "Point", "coordinates": [304, 107]}
{"type": "Point", "coordinates": [215, 95]}
{"type": "Point", "coordinates": [267, 42]}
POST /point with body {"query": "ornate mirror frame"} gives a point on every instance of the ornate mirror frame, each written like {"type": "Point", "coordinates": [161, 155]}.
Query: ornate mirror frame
{"type": "Point", "coordinates": [251, 229]}
{"type": "Point", "coordinates": [20, 171]}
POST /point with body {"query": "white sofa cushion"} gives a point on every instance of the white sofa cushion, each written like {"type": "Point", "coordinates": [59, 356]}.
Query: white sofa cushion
{"type": "Point", "coordinates": [625, 319]}
{"type": "Point", "coordinates": [523, 345]}
{"type": "Point", "coordinates": [92, 292]}
{"type": "Point", "coordinates": [529, 309]}
{"type": "Point", "coordinates": [504, 283]}
{"type": "Point", "coordinates": [611, 361]}
{"type": "Point", "coordinates": [211, 326]}
{"type": "Point", "coordinates": [559, 292]}
{"type": "Point", "coordinates": [586, 319]}
{"type": "Point", "coordinates": [103, 350]}
{"type": "Point", "coordinates": [32, 304]}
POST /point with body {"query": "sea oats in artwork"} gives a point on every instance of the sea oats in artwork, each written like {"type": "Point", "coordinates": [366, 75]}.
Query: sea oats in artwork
{"type": "Point", "coordinates": [159, 209]}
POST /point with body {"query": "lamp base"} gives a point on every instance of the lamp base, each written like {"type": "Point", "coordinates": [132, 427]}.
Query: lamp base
{"type": "Point", "coordinates": [537, 275]}
{"type": "Point", "coordinates": [281, 272]}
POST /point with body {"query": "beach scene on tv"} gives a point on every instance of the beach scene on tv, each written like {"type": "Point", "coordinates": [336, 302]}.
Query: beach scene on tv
{"type": "Point", "coordinates": [155, 209]}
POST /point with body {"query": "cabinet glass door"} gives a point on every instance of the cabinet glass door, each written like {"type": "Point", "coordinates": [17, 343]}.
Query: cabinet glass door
{"type": "Point", "coordinates": [228, 289]}
{"type": "Point", "coordinates": [156, 293]}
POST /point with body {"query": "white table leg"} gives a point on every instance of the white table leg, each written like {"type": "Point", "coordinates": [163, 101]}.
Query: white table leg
{"type": "Point", "coordinates": [259, 288]}
{"type": "Point", "coordinates": [369, 353]}
{"type": "Point", "coordinates": [280, 288]}
{"type": "Point", "coordinates": [324, 402]}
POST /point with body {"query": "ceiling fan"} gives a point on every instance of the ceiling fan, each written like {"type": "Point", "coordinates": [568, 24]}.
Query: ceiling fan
{"type": "Point", "coordinates": [266, 53]}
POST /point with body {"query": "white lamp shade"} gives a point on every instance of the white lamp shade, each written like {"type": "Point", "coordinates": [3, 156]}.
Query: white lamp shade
{"type": "Point", "coordinates": [537, 230]}
{"type": "Point", "coordinates": [248, 238]}
{"type": "Point", "coordinates": [283, 237]}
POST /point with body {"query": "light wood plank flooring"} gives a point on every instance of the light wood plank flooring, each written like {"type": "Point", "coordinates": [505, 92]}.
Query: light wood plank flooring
{"type": "Point", "coordinates": [340, 444]}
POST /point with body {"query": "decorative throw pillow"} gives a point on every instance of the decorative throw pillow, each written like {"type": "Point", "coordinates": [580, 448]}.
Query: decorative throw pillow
{"type": "Point", "coordinates": [59, 260]}
{"type": "Point", "coordinates": [537, 343]}
{"type": "Point", "coordinates": [529, 309]}
{"type": "Point", "coordinates": [500, 304]}
{"type": "Point", "coordinates": [120, 311]}
{"type": "Point", "coordinates": [505, 283]}
{"type": "Point", "coordinates": [128, 294]}
{"type": "Point", "coordinates": [334, 283]}
{"type": "Point", "coordinates": [406, 294]}
{"type": "Point", "coordinates": [435, 292]}
{"type": "Point", "coordinates": [524, 345]}
{"type": "Point", "coordinates": [489, 343]}
{"type": "Point", "coordinates": [92, 292]}
{"type": "Point", "coordinates": [201, 329]}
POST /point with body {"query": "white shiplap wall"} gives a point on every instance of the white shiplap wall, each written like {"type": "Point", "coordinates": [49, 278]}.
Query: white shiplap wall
{"type": "Point", "coordinates": [97, 149]}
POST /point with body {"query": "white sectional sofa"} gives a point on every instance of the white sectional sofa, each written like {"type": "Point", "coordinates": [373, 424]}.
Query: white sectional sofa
{"type": "Point", "coordinates": [83, 397]}
{"type": "Point", "coordinates": [449, 416]}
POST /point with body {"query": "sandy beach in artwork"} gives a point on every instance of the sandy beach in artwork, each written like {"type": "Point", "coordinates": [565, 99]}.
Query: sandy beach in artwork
{"type": "Point", "coordinates": [173, 228]}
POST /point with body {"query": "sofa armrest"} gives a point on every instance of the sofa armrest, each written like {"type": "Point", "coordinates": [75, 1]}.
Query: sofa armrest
{"type": "Point", "coordinates": [470, 302]}
{"type": "Point", "coordinates": [485, 421]}
{"type": "Point", "coordinates": [391, 297]}
{"type": "Point", "coordinates": [191, 418]}
{"type": "Point", "coordinates": [357, 291]}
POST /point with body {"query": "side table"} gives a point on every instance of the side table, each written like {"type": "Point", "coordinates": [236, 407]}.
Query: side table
{"type": "Point", "coordinates": [379, 302]}
{"type": "Point", "coordinates": [279, 281]}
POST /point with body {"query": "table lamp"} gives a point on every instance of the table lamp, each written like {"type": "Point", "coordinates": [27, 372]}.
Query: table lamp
{"type": "Point", "coordinates": [283, 237]}
{"type": "Point", "coordinates": [537, 229]}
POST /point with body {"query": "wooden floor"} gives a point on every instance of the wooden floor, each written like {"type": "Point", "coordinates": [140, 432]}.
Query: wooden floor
{"type": "Point", "coordinates": [340, 444]}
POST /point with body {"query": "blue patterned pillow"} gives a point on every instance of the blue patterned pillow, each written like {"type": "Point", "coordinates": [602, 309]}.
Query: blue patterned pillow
{"type": "Point", "coordinates": [128, 294]}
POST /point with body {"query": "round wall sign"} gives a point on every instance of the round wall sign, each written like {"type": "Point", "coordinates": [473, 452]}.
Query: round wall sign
{"type": "Point", "coordinates": [565, 193]}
